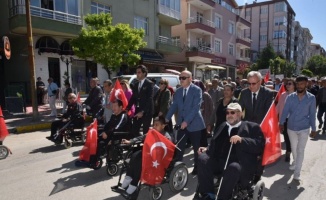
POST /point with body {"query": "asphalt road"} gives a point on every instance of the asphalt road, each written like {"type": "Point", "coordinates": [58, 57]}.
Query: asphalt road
{"type": "Point", "coordinates": [39, 170]}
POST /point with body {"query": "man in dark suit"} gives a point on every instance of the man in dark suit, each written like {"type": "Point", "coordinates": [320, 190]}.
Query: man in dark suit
{"type": "Point", "coordinates": [94, 100]}
{"type": "Point", "coordinates": [247, 141]}
{"type": "Point", "coordinates": [142, 98]}
{"type": "Point", "coordinates": [186, 102]}
{"type": "Point", "coordinates": [256, 99]}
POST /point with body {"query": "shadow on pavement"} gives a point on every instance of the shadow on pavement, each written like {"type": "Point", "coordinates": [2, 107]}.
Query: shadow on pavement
{"type": "Point", "coordinates": [66, 167]}
{"type": "Point", "coordinates": [48, 149]}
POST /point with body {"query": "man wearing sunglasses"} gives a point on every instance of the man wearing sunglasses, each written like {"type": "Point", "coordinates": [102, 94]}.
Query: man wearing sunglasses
{"type": "Point", "coordinates": [256, 99]}
{"type": "Point", "coordinates": [186, 103]}
{"type": "Point", "coordinates": [248, 143]}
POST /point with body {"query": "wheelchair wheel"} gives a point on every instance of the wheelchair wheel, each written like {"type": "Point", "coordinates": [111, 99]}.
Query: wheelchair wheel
{"type": "Point", "coordinates": [178, 178]}
{"type": "Point", "coordinates": [259, 191]}
{"type": "Point", "coordinates": [98, 164]}
{"type": "Point", "coordinates": [68, 144]}
{"type": "Point", "coordinates": [155, 193]}
{"type": "Point", "coordinates": [4, 152]}
{"type": "Point", "coordinates": [112, 169]}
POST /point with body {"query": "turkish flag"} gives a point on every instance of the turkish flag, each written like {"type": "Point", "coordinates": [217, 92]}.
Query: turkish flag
{"type": "Point", "coordinates": [271, 132]}
{"type": "Point", "coordinates": [118, 93]}
{"type": "Point", "coordinates": [281, 90]}
{"type": "Point", "coordinates": [3, 128]}
{"type": "Point", "coordinates": [78, 98]}
{"type": "Point", "coordinates": [90, 145]}
{"type": "Point", "coordinates": [266, 77]}
{"type": "Point", "coordinates": [158, 153]}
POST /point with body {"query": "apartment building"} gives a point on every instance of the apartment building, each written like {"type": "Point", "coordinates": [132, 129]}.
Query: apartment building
{"type": "Point", "coordinates": [307, 37]}
{"type": "Point", "coordinates": [271, 21]}
{"type": "Point", "coordinates": [212, 35]}
{"type": "Point", "coordinates": [316, 50]}
{"type": "Point", "coordinates": [55, 22]}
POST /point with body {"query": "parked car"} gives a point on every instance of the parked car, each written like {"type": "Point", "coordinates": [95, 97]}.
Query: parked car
{"type": "Point", "coordinates": [173, 79]}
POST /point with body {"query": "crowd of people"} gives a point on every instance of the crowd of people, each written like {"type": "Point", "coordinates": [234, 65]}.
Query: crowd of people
{"type": "Point", "coordinates": [230, 113]}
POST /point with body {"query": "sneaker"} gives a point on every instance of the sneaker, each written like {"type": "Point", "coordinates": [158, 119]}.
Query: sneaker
{"type": "Point", "coordinates": [292, 167]}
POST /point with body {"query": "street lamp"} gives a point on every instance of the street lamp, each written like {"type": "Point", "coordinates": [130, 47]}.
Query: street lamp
{"type": "Point", "coordinates": [67, 61]}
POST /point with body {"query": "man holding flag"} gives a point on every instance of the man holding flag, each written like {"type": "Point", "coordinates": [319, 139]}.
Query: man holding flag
{"type": "Point", "coordinates": [300, 109]}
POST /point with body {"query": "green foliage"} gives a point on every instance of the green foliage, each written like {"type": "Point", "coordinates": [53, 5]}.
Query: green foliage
{"type": "Point", "coordinates": [307, 72]}
{"type": "Point", "coordinates": [107, 44]}
{"type": "Point", "coordinates": [317, 65]}
{"type": "Point", "coordinates": [289, 69]}
{"type": "Point", "coordinates": [265, 56]}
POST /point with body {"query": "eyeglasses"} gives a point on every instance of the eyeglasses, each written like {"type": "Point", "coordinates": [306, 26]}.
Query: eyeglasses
{"type": "Point", "coordinates": [230, 112]}
{"type": "Point", "coordinates": [289, 84]}
{"type": "Point", "coordinates": [183, 78]}
{"type": "Point", "coordinates": [253, 83]}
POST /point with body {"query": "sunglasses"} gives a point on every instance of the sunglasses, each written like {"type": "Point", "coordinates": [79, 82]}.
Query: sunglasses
{"type": "Point", "coordinates": [230, 112]}
{"type": "Point", "coordinates": [183, 78]}
{"type": "Point", "coordinates": [252, 83]}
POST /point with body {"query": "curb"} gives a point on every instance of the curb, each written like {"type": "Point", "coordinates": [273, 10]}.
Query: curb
{"type": "Point", "coordinates": [32, 127]}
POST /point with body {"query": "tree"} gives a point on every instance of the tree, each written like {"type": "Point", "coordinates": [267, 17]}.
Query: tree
{"type": "Point", "coordinates": [289, 69]}
{"type": "Point", "coordinates": [107, 44]}
{"type": "Point", "coordinates": [317, 65]}
{"type": "Point", "coordinates": [307, 72]}
{"type": "Point", "coordinates": [265, 56]}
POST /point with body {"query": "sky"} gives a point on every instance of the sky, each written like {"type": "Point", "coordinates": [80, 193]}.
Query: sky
{"type": "Point", "coordinates": [310, 13]}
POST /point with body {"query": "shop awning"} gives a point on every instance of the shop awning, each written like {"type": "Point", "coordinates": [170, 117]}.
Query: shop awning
{"type": "Point", "coordinates": [210, 67]}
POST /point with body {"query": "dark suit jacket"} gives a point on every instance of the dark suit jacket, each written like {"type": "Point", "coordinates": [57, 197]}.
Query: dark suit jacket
{"type": "Point", "coordinates": [189, 110]}
{"type": "Point", "coordinates": [142, 100]}
{"type": "Point", "coordinates": [264, 101]}
{"type": "Point", "coordinates": [94, 99]}
{"type": "Point", "coordinates": [252, 145]}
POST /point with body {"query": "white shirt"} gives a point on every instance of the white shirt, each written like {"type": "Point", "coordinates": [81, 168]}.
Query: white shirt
{"type": "Point", "coordinates": [187, 89]}
{"type": "Point", "coordinates": [141, 84]}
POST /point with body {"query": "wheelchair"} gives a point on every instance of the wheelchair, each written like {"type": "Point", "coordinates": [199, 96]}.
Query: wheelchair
{"type": "Point", "coordinates": [4, 151]}
{"type": "Point", "coordinates": [176, 175]}
{"type": "Point", "coordinates": [71, 132]}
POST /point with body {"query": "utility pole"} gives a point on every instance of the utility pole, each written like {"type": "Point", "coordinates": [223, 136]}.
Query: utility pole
{"type": "Point", "coordinates": [31, 59]}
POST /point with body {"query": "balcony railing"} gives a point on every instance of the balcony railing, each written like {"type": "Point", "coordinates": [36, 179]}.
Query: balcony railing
{"type": "Point", "coordinates": [201, 48]}
{"type": "Point", "coordinates": [169, 12]}
{"type": "Point", "coordinates": [242, 58]}
{"type": "Point", "coordinates": [168, 41]}
{"type": "Point", "coordinates": [201, 20]}
{"type": "Point", "coordinates": [47, 14]}
{"type": "Point", "coordinates": [243, 38]}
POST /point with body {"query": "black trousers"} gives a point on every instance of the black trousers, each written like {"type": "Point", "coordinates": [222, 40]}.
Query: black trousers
{"type": "Point", "coordinates": [136, 124]}
{"type": "Point", "coordinates": [208, 167]}
{"type": "Point", "coordinates": [134, 169]}
{"type": "Point", "coordinates": [57, 124]}
{"type": "Point", "coordinates": [39, 98]}
{"type": "Point", "coordinates": [194, 139]}
{"type": "Point", "coordinates": [286, 137]}
{"type": "Point", "coordinates": [320, 114]}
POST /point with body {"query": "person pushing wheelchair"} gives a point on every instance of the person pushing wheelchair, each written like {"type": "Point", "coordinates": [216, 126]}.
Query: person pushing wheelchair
{"type": "Point", "coordinates": [74, 112]}
{"type": "Point", "coordinates": [246, 142]}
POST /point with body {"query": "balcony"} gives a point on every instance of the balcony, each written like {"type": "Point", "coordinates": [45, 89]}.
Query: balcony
{"type": "Point", "coordinates": [168, 45]}
{"type": "Point", "coordinates": [243, 23]}
{"type": "Point", "coordinates": [246, 59]}
{"type": "Point", "coordinates": [246, 42]}
{"type": "Point", "coordinates": [200, 53]}
{"type": "Point", "coordinates": [44, 21]}
{"type": "Point", "coordinates": [200, 25]}
{"type": "Point", "coordinates": [169, 16]}
{"type": "Point", "coordinates": [202, 4]}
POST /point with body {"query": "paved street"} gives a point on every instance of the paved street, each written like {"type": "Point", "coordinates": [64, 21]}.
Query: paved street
{"type": "Point", "coordinates": [39, 170]}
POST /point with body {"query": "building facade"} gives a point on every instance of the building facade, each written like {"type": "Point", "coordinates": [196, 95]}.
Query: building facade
{"type": "Point", "coordinates": [212, 35]}
{"type": "Point", "coordinates": [271, 22]}
{"type": "Point", "coordinates": [316, 50]}
{"type": "Point", "coordinates": [55, 22]}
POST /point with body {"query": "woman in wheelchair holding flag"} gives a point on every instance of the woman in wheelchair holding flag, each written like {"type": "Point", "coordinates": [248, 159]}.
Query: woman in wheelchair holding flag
{"type": "Point", "coordinates": [232, 154]}
{"type": "Point", "coordinates": [74, 113]}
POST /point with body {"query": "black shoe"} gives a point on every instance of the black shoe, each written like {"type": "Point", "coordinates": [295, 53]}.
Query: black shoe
{"type": "Point", "coordinates": [287, 157]}
{"type": "Point", "coordinates": [320, 125]}
{"type": "Point", "coordinates": [206, 197]}
{"type": "Point", "coordinates": [49, 138]}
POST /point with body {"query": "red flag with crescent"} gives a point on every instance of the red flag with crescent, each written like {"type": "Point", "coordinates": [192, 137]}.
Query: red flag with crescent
{"type": "Point", "coordinates": [3, 128]}
{"type": "Point", "coordinates": [90, 145]}
{"type": "Point", "coordinates": [266, 77]}
{"type": "Point", "coordinates": [280, 91]}
{"type": "Point", "coordinates": [157, 154]}
{"type": "Point", "coordinates": [118, 93]}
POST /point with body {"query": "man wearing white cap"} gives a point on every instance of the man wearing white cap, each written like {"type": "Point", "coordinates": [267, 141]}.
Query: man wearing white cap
{"type": "Point", "coordinates": [247, 141]}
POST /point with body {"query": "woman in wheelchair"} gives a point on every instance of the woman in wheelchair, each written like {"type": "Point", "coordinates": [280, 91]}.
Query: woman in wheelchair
{"type": "Point", "coordinates": [132, 177]}
{"type": "Point", "coordinates": [245, 141]}
{"type": "Point", "coordinates": [74, 114]}
{"type": "Point", "coordinates": [118, 123]}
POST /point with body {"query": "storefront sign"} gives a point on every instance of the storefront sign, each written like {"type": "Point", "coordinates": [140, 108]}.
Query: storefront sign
{"type": "Point", "coordinates": [219, 60]}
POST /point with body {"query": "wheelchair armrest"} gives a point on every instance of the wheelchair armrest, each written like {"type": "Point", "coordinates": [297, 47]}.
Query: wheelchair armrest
{"type": "Point", "coordinates": [120, 133]}
{"type": "Point", "coordinates": [124, 145]}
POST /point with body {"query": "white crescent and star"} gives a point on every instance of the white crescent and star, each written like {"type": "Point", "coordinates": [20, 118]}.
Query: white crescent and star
{"type": "Point", "coordinates": [268, 140]}
{"type": "Point", "coordinates": [158, 144]}
{"type": "Point", "coordinates": [117, 92]}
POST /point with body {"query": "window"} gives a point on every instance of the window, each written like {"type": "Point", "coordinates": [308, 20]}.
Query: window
{"type": "Point", "coordinates": [65, 6]}
{"type": "Point", "coordinates": [263, 10]}
{"type": "Point", "coordinates": [141, 22]}
{"type": "Point", "coordinates": [263, 24]}
{"type": "Point", "coordinates": [218, 21]}
{"type": "Point", "coordinates": [248, 13]}
{"type": "Point", "coordinates": [263, 37]}
{"type": "Point", "coordinates": [280, 21]}
{"type": "Point", "coordinates": [280, 7]}
{"type": "Point", "coordinates": [175, 40]}
{"type": "Point", "coordinates": [219, 2]}
{"type": "Point", "coordinates": [231, 49]}
{"type": "Point", "coordinates": [279, 34]}
{"type": "Point", "coordinates": [97, 8]}
{"type": "Point", "coordinates": [231, 28]}
{"type": "Point", "coordinates": [218, 45]}
{"type": "Point", "coordinates": [200, 17]}
{"type": "Point", "coordinates": [173, 4]}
